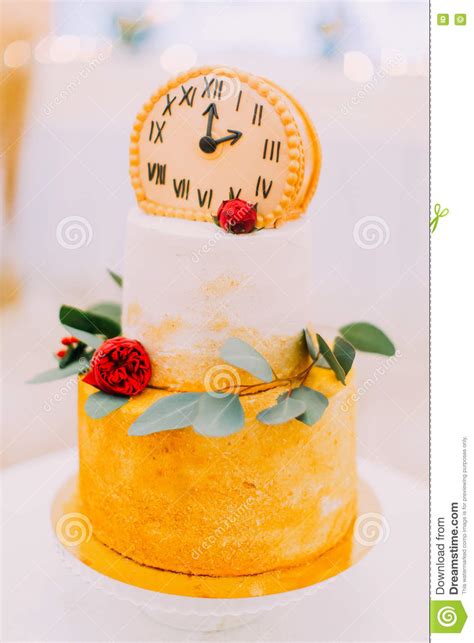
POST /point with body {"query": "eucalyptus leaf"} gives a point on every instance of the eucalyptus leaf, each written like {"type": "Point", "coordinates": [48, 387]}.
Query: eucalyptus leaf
{"type": "Point", "coordinates": [172, 412]}
{"type": "Point", "coordinates": [310, 344]}
{"type": "Point", "coordinates": [117, 278]}
{"type": "Point", "coordinates": [110, 309]}
{"type": "Point", "coordinates": [88, 321]}
{"type": "Point", "coordinates": [331, 359]}
{"type": "Point", "coordinates": [344, 352]}
{"type": "Point", "coordinates": [321, 362]}
{"type": "Point", "coordinates": [285, 410]}
{"type": "Point", "coordinates": [100, 404]}
{"type": "Point", "coordinates": [87, 338]}
{"type": "Point", "coordinates": [59, 373]}
{"type": "Point", "coordinates": [316, 404]}
{"type": "Point", "coordinates": [238, 353]}
{"type": "Point", "coordinates": [368, 338]}
{"type": "Point", "coordinates": [219, 415]}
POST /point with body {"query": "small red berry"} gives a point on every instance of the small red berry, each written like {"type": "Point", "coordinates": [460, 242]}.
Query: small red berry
{"type": "Point", "coordinates": [67, 341]}
{"type": "Point", "coordinates": [61, 354]}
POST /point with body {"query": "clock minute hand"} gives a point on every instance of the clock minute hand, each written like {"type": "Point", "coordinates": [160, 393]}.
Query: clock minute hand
{"type": "Point", "coordinates": [233, 136]}
{"type": "Point", "coordinates": [211, 110]}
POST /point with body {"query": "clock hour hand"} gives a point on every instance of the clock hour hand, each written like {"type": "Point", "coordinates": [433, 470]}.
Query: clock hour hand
{"type": "Point", "coordinates": [233, 136]}
{"type": "Point", "coordinates": [211, 111]}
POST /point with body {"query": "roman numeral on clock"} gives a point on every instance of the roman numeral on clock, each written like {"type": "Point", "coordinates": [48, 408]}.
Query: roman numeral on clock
{"type": "Point", "coordinates": [188, 95]}
{"type": "Point", "coordinates": [168, 104]}
{"type": "Point", "coordinates": [157, 173]}
{"type": "Point", "coordinates": [232, 194]}
{"type": "Point", "coordinates": [181, 188]}
{"type": "Point", "coordinates": [264, 186]}
{"type": "Point", "coordinates": [207, 87]}
{"type": "Point", "coordinates": [271, 150]}
{"type": "Point", "coordinates": [158, 136]}
{"type": "Point", "coordinates": [204, 196]}
{"type": "Point", "coordinates": [257, 114]}
{"type": "Point", "coordinates": [214, 84]}
{"type": "Point", "coordinates": [238, 101]}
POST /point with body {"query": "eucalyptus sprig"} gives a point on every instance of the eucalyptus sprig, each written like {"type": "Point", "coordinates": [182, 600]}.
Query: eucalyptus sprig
{"type": "Point", "coordinates": [220, 413]}
{"type": "Point", "coordinates": [91, 327]}
{"type": "Point", "coordinates": [216, 413]}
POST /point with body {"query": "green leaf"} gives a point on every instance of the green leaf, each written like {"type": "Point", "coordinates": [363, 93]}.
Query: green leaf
{"type": "Point", "coordinates": [88, 321]}
{"type": "Point", "coordinates": [285, 410]}
{"type": "Point", "coordinates": [58, 373]}
{"type": "Point", "coordinates": [87, 338]}
{"type": "Point", "coordinates": [331, 359]}
{"type": "Point", "coordinates": [368, 338]}
{"type": "Point", "coordinates": [344, 352]}
{"type": "Point", "coordinates": [100, 404]}
{"type": "Point", "coordinates": [316, 404]}
{"type": "Point", "coordinates": [310, 344]}
{"type": "Point", "coordinates": [172, 412]}
{"type": "Point", "coordinates": [321, 362]}
{"type": "Point", "coordinates": [110, 309]}
{"type": "Point", "coordinates": [239, 353]}
{"type": "Point", "coordinates": [117, 278]}
{"type": "Point", "coordinates": [219, 415]}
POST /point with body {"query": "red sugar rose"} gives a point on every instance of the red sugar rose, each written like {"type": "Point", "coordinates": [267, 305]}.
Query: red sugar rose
{"type": "Point", "coordinates": [120, 366]}
{"type": "Point", "coordinates": [237, 216]}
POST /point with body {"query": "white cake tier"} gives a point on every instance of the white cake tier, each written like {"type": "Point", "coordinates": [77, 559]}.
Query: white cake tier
{"type": "Point", "coordinates": [188, 286]}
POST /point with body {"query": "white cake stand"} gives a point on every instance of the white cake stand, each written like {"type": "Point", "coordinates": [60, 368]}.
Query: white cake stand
{"type": "Point", "coordinates": [178, 599]}
{"type": "Point", "coordinates": [46, 601]}
{"type": "Point", "coordinates": [184, 612]}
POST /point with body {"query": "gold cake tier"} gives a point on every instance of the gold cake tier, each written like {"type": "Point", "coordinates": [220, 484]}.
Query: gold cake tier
{"type": "Point", "coordinates": [266, 498]}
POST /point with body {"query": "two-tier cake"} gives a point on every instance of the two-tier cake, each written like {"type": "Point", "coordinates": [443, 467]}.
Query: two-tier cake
{"type": "Point", "coordinates": [216, 425]}
{"type": "Point", "coordinates": [268, 496]}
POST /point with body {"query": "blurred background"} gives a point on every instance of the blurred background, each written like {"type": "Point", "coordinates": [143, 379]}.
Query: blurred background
{"type": "Point", "coordinates": [73, 76]}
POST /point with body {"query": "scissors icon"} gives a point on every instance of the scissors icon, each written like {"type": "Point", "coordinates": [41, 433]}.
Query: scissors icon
{"type": "Point", "coordinates": [439, 214]}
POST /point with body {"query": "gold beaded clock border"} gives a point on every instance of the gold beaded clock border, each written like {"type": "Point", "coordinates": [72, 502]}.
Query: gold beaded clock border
{"type": "Point", "coordinates": [315, 149]}
{"type": "Point", "coordinates": [295, 148]}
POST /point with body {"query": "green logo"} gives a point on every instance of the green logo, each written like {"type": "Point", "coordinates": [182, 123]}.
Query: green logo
{"type": "Point", "coordinates": [438, 214]}
{"type": "Point", "coordinates": [443, 18]}
{"type": "Point", "coordinates": [447, 617]}
{"type": "Point", "coordinates": [460, 19]}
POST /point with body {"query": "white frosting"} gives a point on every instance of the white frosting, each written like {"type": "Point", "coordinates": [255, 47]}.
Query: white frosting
{"type": "Point", "coordinates": [190, 285]}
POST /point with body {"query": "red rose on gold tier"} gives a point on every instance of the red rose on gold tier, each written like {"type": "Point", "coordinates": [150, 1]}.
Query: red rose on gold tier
{"type": "Point", "coordinates": [120, 366]}
{"type": "Point", "coordinates": [237, 216]}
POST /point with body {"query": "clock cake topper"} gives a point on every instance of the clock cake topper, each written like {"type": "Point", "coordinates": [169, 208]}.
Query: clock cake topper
{"type": "Point", "coordinates": [216, 133]}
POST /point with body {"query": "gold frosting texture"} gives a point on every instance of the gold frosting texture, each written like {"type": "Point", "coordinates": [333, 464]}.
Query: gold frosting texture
{"type": "Point", "coordinates": [266, 498]}
{"type": "Point", "coordinates": [186, 370]}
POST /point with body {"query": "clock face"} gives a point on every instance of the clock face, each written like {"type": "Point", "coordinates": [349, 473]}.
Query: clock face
{"type": "Point", "coordinates": [208, 137]}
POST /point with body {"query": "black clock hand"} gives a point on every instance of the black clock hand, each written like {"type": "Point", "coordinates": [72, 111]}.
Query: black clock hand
{"type": "Point", "coordinates": [233, 136]}
{"type": "Point", "coordinates": [206, 143]}
{"type": "Point", "coordinates": [211, 110]}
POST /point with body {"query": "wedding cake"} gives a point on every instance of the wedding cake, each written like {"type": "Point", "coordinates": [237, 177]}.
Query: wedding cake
{"type": "Point", "coordinates": [216, 425]}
